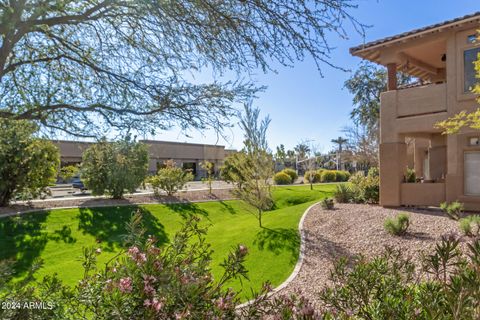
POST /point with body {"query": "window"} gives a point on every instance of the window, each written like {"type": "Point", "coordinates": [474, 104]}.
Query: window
{"type": "Point", "coordinates": [472, 38]}
{"type": "Point", "coordinates": [469, 57]}
{"type": "Point", "coordinates": [471, 173]}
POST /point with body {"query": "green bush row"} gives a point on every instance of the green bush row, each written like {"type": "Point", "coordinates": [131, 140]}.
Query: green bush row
{"type": "Point", "coordinates": [323, 175]}
{"type": "Point", "coordinates": [286, 176]}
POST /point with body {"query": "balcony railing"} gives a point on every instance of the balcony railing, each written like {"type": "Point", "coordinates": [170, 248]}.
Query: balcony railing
{"type": "Point", "coordinates": [421, 100]}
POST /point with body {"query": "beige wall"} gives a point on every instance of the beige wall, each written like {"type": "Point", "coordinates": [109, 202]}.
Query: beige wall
{"type": "Point", "coordinates": [159, 151]}
{"type": "Point", "coordinates": [413, 112]}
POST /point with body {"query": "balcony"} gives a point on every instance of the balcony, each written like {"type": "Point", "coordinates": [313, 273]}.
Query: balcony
{"type": "Point", "coordinates": [421, 100]}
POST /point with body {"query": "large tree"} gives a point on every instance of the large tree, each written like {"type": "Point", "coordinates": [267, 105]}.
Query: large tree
{"type": "Point", "coordinates": [81, 66]}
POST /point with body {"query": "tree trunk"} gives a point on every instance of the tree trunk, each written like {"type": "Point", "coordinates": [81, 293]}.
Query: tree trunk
{"type": "Point", "coordinates": [260, 218]}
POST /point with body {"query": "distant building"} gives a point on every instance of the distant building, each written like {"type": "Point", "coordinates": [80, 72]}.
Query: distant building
{"type": "Point", "coordinates": [186, 155]}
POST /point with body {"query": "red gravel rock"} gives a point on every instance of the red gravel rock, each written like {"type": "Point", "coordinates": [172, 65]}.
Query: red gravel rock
{"type": "Point", "coordinates": [353, 229]}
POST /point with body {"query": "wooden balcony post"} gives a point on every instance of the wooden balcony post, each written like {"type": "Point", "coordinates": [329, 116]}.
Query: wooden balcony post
{"type": "Point", "coordinates": [392, 76]}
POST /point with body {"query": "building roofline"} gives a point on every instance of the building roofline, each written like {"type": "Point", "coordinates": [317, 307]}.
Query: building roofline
{"type": "Point", "coordinates": [416, 32]}
{"type": "Point", "coordinates": [147, 141]}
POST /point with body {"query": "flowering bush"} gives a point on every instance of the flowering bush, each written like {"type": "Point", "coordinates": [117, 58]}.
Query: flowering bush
{"type": "Point", "coordinates": [282, 178]}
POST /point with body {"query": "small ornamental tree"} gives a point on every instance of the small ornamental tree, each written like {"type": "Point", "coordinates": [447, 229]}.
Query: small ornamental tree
{"type": "Point", "coordinates": [27, 164]}
{"type": "Point", "coordinates": [255, 168]}
{"type": "Point", "coordinates": [115, 167]}
{"type": "Point", "coordinates": [209, 174]}
{"type": "Point", "coordinates": [170, 179]}
{"type": "Point", "coordinates": [229, 172]}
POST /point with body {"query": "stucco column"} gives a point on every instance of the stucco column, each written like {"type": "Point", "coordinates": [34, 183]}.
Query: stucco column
{"type": "Point", "coordinates": [393, 164]}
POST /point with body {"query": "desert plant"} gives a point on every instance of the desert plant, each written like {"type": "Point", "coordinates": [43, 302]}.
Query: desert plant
{"type": "Point", "coordinates": [398, 225]}
{"type": "Point", "coordinates": [328, 176]}
{"type": "Point", "coordinates": [343, 193]}
{"type": "Point", "coordinates": [170, 179]}
{"type": "Point", "coordinates": [327, 203]}
{"type": "Point", "coordinates": [391, 286]}
{"type": "Point", "coordinates": [282, 178]}
{"type": "Point", "coordinates": [470, 226]}
{"type": "Point", "coordinates": [366, 188]}
{"type": "Point", "coordinates": [453, 210]}
{"type": "Point", "coordinates": [410, 176]}
{"type": "Point", "coordinates": [292, 173]}
{"type": "Point", "coordinates": [311, 176]}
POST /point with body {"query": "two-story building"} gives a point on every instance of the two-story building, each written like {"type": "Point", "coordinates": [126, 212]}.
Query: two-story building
{"type": "Point", "coordinates": [441, 56]}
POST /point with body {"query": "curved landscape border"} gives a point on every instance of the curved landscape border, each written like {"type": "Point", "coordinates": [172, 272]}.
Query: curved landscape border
{"type": "Point", "coordinates": [298, 265]}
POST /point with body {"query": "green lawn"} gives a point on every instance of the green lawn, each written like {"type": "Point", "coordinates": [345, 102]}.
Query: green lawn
{"type": "Point", "coordinates": [58, 236]}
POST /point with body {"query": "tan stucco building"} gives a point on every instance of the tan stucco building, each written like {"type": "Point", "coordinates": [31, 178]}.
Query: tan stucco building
{"type": "Point", "coordinates": [186, 155]}
{"type": "Point", "coordinates": [447, 167]}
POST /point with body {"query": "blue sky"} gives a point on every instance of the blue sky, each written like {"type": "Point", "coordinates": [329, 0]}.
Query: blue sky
{"type": "Point", "coordinates": [302, 104]}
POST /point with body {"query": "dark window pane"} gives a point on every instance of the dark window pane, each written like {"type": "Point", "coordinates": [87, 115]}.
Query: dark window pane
{"type": "Point", "coordinates": [469, 57]}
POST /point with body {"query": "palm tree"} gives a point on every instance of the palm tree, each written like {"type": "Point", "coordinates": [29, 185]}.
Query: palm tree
{"type": "Point", "coordinates": [339, 142]}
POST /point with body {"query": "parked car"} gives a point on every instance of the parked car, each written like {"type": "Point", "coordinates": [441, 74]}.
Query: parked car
{"type": "Point", "coordinates": [77, 183]}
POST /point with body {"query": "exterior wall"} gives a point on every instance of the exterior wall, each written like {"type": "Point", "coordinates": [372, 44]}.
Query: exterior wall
{"type": "Point", "coordinates": [413, 112]}
{"type": "Point", "coordinates": [159, 152]}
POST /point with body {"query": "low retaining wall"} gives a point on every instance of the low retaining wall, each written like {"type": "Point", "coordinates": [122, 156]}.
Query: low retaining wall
{"type": "Point", "coordinates": [422, 194]}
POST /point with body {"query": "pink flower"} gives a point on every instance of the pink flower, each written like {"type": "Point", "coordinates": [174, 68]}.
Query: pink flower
{"type": "Point", "coordinates": [125, 285]}
{"type": "Point", "coordinates": [147, 303]}
{"type": "Point", "coordinates": [133, 251]}
{"type": "Point", "coordinates": [141, 258]}
{"type": "Point", "coordinates": [148, 289]}
{"type": "Point", "coordinates": [242, 249]}
{"type": "Point", "coordinates": [157, 304]}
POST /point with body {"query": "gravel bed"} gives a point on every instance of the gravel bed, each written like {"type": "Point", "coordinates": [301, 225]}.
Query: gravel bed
{"type": "Point", "coordinates": [353, 229]}
{"type": "Point", "coordinates": [180, 197]}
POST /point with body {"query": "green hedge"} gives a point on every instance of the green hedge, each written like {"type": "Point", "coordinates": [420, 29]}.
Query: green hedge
{"type": "Point", "coordinates": [282, 178]}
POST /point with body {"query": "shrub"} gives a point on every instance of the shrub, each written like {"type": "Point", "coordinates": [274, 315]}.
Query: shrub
{"type": "Point", "coordinates": [328, 176]}
{"type": "Point", "coordinates": [68, 172]}
{"type": "Point", "coordinates": [470, 226]}
{"type": "Point", "coordinates": [453, 210]}
{"type": "Point", "coordinates": [366, 188]}
{"type": "Point", "coordinates": [170, 179]}
{"type": "Point", "coordinates": [292, 173]}
{"type": "Point", "coordinates": [343, 193]}
{"type": "Point", "coordinates": [391, 286]}
{"type": "Point", "coordinates": [327, 203]}
{"type": "Point", "coordinates": [311, 177]}
{"type": "Point", "coordinates": [28, 165]}
{"type": "Point", "coordinates": [342, 176]}
{"type": "Point", "coordinates": [115, 167]}
{"type": "Point", "coordinates": [410, 177]}
{"type": "Point", "coordinates": [282, 178]}
{"type": "Point", "coordinates": [397, 226]}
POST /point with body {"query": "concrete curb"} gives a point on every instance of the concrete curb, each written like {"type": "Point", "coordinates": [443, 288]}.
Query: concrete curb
{"type": "Point", "coordinates": [299, 263]}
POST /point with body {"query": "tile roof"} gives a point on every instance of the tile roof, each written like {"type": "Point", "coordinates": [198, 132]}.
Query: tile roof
{"type": "Point", "coordinates": [412, 32]}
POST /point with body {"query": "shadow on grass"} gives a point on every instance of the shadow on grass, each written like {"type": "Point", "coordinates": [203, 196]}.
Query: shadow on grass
{"type": "Point", "coordinates": [22, 239]}
{"type": "Point", "coordinates": [228, 207]}
{"type": "Point", "coordinates": [109, 224]}
{"type": "Point", "coordinates": [187, 209]}
{"type": "Point", "coordinates": [278, 240]}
